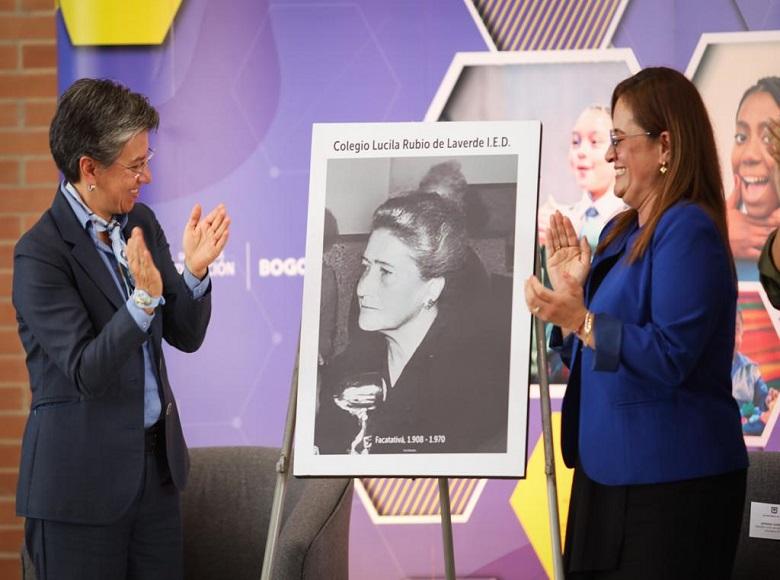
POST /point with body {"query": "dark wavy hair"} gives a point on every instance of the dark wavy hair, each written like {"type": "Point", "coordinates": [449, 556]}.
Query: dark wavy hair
{"type": "Point", "coordinates": [96, 118]}
{"type": "Point", "coordinates": [769, 85]}
{"type": "Point", "coordinates": [662, 99]}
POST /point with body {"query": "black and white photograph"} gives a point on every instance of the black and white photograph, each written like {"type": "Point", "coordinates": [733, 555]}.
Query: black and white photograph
{"type": "Point", "coordinates": [418, 362]}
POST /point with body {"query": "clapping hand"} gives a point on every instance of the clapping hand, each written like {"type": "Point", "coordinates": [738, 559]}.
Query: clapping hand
{"type": "Point", "coordinates": [204, 239]}
{"type": "Point", "coordinates": [564, 307]}
{"type": "Point", "coordinates": [141, 265]}
{"type": "Point", "coordinates": [565, 254]}
{"type": "Point", "coordinates": [568, 264]}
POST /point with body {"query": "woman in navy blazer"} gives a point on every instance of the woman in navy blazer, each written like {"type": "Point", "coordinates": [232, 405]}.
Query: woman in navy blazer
{"type": "Point", "coordinates": [647, 329]}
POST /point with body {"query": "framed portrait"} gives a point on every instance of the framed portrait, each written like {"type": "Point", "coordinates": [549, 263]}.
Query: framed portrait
{"type": "Point", "coordinates": [415, 345]}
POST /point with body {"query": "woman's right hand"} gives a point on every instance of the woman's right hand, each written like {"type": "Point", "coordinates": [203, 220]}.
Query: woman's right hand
{"type": "Point", "coordinates": [565, 254]}
{"type": "Point", "coordinates": [141, 264]}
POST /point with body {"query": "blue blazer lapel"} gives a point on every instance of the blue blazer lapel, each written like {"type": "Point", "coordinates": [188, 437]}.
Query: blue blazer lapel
{"type": "Point", "coordinates": [599, 268]}
{"type": "Point", "coordinates": [84, 250]}
{"type": "Point", "coordinates": [604, 261]}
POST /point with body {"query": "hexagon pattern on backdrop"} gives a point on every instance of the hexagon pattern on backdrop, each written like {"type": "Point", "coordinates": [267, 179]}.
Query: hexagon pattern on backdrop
{"type": "Point", "coordinates": [556, 25]}
{"type": "Point", "coordinates": [416, 501]}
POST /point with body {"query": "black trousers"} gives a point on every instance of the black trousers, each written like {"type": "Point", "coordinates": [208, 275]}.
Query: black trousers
{"type": "Point", "coordinates": [145, 544]}
{"type": "Point", "coordinates": [678, 530]}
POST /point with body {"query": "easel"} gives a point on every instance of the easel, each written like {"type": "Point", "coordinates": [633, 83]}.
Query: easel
{"type": "Point", "coordinates": [444, 493]}
{"type": "Point", "coordinates": [282, 474]}
{"type": "Point", "coordinates": [549, 456]}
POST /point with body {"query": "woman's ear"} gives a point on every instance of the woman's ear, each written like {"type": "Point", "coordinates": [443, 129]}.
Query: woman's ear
{"type": "Point", "coordinates": [87, 167]}
{"type": "Point", "coordinates": [435, 288]}
{"type": "Point", "coordinates": [665, 139]}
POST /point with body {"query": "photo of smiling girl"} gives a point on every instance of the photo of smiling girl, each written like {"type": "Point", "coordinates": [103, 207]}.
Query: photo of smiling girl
{"type": "Point", "coordinates": [594, 177]}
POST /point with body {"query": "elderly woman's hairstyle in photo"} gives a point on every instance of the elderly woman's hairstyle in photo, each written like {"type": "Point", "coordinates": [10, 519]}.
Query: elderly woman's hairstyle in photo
{"type": "Point", "coordinates": [662, 99]}
{"type": "Point", "coordinates": [446, 179]}
{"type": "Point", "coordinates": [431, 226]}
{"type": "Point", "coordinates": [769, 85]}
{"type": "Point", "coordinates": [96, 118]}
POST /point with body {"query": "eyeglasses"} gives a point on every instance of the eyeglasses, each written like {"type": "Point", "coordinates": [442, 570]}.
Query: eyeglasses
{"type": "Point", "coordinates": [139, 168]}
{"type": "Point", "coordinates": [615, 139]}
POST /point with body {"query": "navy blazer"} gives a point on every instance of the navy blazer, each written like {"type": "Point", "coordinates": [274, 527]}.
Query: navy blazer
{"type": "Point", "coordinates": [83, 446]}
{"type": "Point", "coordinates": [652, 403]}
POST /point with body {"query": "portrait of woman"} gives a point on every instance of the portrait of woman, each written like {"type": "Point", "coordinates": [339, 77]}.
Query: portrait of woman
{"type": "Point", "coordinates": [425, 375]}
{"type": "Point", "coordinates": [753, 207]}
{"type": "Point", "coordinates": [649, 423]}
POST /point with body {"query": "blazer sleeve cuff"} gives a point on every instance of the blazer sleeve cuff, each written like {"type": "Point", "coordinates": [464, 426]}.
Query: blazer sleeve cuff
{"type": "Point", "coordinates": [562, 346]}
{"type": "Point", "coordinates": [196, 286]}
{"type": "Point", "coordinates": [609, 337]}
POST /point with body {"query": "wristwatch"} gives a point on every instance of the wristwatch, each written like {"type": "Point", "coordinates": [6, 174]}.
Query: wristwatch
{"type": "Point", "coordinates": [587, 328]}
{"type": "Point", "coordinates": [143, 299]}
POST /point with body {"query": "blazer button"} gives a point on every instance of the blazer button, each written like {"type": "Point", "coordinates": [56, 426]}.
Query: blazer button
{"type": "Point", "coordinates": [168, 408]}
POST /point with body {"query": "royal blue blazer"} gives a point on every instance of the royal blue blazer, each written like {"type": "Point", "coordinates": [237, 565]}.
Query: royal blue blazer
{"type": "Point", "coordinates": [652, 403]}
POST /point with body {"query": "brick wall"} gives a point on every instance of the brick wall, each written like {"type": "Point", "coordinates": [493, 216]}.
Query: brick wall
{"type": "Point", "coordinates": [28, 88]}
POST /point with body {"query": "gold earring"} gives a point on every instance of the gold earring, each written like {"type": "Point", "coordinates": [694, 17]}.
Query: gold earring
{"type": "Point", "coordinates": [663, 169]}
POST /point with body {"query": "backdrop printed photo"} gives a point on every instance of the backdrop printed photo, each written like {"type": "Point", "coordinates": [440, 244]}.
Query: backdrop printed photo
{"type": "Point", "coordinates": [755, 370]}
{"type": "Point", "coordinates": [738, 75]}
{"type": "Point", "coordinates": [414, 357]}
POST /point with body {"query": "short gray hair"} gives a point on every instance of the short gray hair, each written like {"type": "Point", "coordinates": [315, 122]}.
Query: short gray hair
{"type": "Point", "coordinates": [97, 117]}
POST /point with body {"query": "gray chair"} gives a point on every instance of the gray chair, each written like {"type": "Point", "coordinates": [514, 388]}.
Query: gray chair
{"type": "Point", "coordinates": [759, 558]}
{"type": "Point", "coordinates": [227, 507]}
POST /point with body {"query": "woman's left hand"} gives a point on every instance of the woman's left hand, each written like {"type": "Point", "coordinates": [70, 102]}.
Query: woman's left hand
{"type": "Point", "coordinates": [204, 239]}
{"type": "Point", "coordinates": [564, 306]}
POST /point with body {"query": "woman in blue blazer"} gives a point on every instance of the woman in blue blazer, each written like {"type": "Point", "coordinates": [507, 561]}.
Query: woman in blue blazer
{"type": "Point", "coordinates": [647, 329]}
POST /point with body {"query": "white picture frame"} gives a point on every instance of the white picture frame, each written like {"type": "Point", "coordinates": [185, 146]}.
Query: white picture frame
{"type": "Point", "coordinates": [355, 168]}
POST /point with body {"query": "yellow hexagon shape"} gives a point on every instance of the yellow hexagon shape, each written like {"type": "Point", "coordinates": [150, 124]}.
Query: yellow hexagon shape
{"type": "Point", "coordinates": [529, 499]}
{"type": "Point", "coordinates": [118, 22]}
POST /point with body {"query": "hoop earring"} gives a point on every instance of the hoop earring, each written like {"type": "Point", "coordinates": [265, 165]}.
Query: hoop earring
{"type": "Point", "coordinates": [663, 169]}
